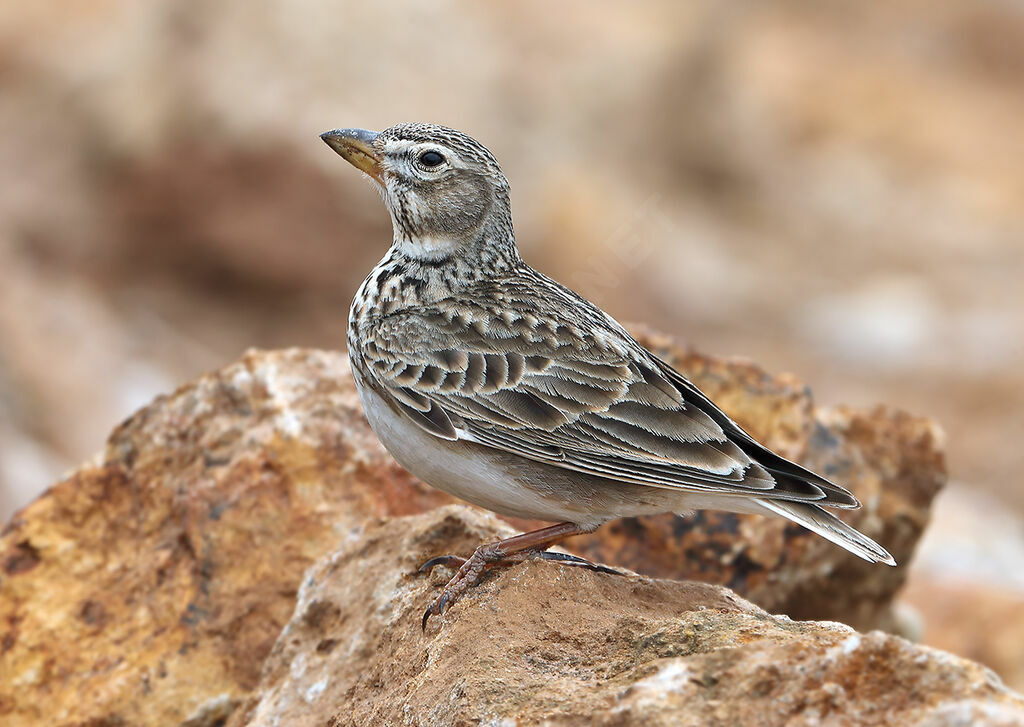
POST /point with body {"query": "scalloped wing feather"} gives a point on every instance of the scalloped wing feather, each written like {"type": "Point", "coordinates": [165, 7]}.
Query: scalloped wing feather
{"type": "Point", "coordinates": [584, 397]}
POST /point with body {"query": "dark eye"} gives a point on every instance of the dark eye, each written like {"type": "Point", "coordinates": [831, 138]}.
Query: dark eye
{"type": "Point", "coordinates": [431, 159]}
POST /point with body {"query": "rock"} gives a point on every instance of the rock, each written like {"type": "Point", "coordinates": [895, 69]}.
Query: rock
{"type": "Point", "coordinates": [545, 644]}
{"type": "Point", "coordinates": [149, 586]}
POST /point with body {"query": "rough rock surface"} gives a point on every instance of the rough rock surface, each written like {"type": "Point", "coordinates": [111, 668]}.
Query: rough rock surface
{"type": "Point", "coordinates": [543, 644]}
{"type": "Point", "coordinates": [148, 587]}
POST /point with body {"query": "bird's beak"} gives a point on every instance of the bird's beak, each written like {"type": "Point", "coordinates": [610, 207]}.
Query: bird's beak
{"type": "Point", "coordinates": [356, 145]}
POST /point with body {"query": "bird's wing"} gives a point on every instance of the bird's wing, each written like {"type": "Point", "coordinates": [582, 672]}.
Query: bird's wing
{"type": "Point", "coordinates": [581, 397]}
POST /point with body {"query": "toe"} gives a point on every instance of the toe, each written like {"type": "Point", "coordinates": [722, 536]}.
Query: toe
{"type": "Point", "coordinates": [449, 560]}
{"type": "Point", "coordinates": [567, 559]}
{"type": "Point", "coordinates": [437, 607]}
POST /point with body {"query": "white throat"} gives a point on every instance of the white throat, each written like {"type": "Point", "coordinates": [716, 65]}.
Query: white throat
{"type": "Point", "coordinates": [427, 247]}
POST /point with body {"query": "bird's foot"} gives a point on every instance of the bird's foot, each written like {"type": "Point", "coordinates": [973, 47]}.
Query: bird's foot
{"type": "Point", "coordinates": [470, 570]}
{"type": "Point", "coordinates": [484, 558]}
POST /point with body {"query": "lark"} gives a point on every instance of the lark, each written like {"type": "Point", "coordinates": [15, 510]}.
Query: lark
{"type": "Point", "coordinates": [492, 382]}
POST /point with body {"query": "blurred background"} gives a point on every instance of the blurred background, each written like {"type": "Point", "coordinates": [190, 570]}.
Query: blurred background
{"type": "Point", "coordinates": [831, 189]}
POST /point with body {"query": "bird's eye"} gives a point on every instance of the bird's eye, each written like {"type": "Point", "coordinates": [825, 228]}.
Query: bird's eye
{"type": "Point", "coordinates": [431, 159]}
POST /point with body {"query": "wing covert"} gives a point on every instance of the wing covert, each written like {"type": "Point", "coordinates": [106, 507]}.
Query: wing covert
{"type": "Point", "coordinates": [562, 395]}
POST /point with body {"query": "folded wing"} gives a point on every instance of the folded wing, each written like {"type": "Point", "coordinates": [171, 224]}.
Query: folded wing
{"type": "Point", "coordinates": [581, 397]}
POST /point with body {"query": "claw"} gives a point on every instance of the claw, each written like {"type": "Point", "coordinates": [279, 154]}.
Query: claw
{"type": "Point", "coordinates": [436, 607]}
{"type": "Point", "coordinates": [454, 560]}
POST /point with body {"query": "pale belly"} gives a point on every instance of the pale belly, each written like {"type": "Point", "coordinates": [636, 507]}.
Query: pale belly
{"type": "Point", "coordinates": [466, 474]}
{"type": "Point", "coordinates": [514, 486]}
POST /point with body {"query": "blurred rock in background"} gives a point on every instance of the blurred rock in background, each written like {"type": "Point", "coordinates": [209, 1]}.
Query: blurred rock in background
{"type": "Point", "coordinates": [831, 190]}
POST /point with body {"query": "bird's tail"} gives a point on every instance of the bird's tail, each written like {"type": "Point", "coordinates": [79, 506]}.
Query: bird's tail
{"type": "Point", "coordinates": [830, 527]}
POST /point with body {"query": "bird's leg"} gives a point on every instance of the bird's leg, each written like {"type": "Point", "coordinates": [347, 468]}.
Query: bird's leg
{"type": "Point", "coordinates": [457, 561]}
{"type": "Point", "coordinates": [504, 552]}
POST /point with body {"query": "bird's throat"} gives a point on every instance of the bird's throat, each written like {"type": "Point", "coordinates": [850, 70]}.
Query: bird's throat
{"type": "Point", "coordinates": [428, 249]}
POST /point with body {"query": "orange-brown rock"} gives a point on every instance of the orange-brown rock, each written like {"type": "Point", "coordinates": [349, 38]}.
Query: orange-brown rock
{"type": "Point", "coordinates": [148, 587]}
{"type": "Point", "coordinates": [536, 644]}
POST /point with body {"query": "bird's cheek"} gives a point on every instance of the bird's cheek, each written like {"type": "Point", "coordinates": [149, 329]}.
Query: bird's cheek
{"type": "Point", "coordinates": [394, 194]}
{"type": "Point", "coordinates": [417, 209]}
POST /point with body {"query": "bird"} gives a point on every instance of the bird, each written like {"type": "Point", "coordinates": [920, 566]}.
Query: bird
{"type": "Point", "coordinates": [491, 381]}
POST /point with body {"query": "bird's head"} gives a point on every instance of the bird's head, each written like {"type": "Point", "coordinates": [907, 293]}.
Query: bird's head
{"type": "Point", "coordinates": [444, 190]}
